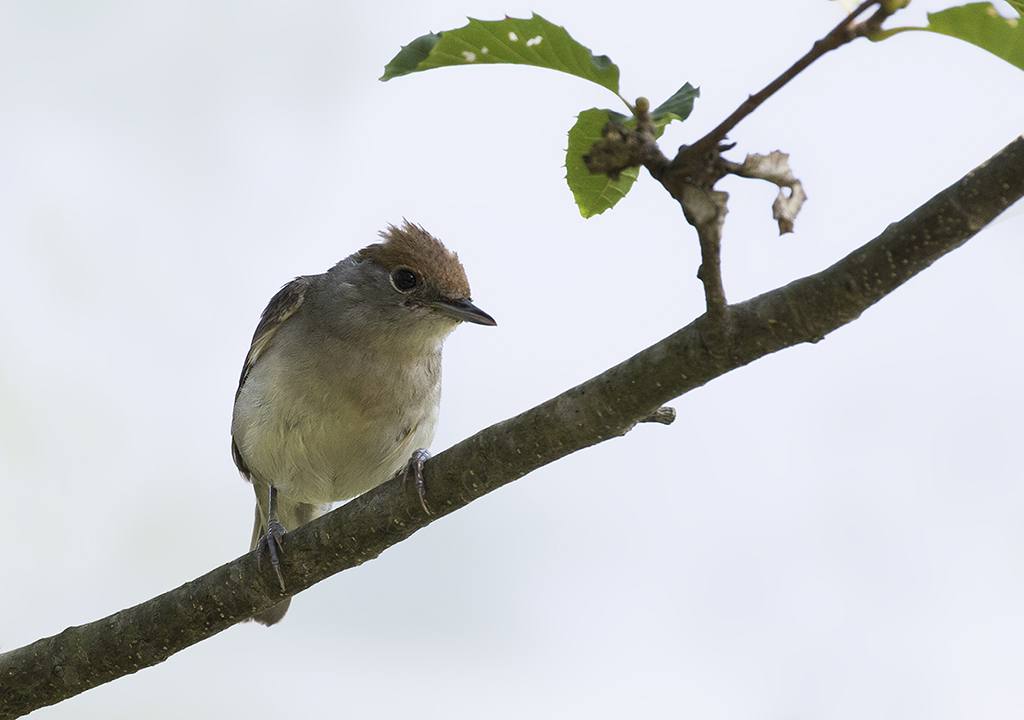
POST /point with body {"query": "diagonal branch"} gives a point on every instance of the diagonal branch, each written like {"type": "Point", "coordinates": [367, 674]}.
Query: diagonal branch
{"type": "Point", "coordinates": [609, 405]}
{"type": "Point", "coordinates": [693, 156]}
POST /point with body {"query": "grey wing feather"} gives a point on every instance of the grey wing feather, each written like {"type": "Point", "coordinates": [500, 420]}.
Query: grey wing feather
{"type": "Point", "coordinates": [281, 307]}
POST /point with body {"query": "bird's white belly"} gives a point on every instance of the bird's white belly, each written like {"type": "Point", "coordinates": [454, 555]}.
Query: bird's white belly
{"type": "Point", "coordinates": [321, 450]}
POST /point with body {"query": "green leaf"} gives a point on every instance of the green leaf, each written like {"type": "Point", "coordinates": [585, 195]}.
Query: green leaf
{"type": "Point", "coordinates": [679, 105]}
{"type": "Point", "coordinates": [521, 41]}
{"type": "Point", "coordinates": [979, 24]}
{"type": "Point", "coordinates": [594, 193]}
{"type": "Point", "coordinates": [410, 56]}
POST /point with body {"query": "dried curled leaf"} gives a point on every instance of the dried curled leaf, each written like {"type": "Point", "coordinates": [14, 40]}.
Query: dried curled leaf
{"type": "Point", "coordinates": [774, 167]}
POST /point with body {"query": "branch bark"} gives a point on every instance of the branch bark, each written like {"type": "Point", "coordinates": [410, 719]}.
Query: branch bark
{"type": "Point", "coordinates": [56, 668]}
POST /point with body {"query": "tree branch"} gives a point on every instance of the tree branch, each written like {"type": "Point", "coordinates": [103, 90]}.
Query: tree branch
{"type": "Point", "coordinates": [690, 177]}
{"type": "Point", "coordinates": [692, 156]}
{"type": "Point", "coordinates": [609, 405]}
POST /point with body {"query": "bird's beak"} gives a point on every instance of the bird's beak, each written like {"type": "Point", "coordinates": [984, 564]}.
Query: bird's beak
{"type": "Point", "coordinates": [463, 310]}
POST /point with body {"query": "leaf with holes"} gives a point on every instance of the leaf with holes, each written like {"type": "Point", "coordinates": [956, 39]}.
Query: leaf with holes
{"type": "Point", "coordinates": [521, 41]}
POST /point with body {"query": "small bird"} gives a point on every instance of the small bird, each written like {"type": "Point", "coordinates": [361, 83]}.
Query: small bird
{"type": "Point", "coordinates": [341, 386]}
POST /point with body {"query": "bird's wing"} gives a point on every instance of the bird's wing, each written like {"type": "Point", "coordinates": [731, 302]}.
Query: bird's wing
{"type": "Point", "coordinates": [281, 307]}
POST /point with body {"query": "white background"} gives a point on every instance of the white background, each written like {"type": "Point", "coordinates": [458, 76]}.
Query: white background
{"type": "Point", "coordinates": [836, 531]}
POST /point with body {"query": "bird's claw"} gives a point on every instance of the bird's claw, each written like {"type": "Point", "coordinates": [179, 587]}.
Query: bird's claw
{"type": "Point", "coordinates": [271, 542]}
{"type": "Point", "coordinates": [413, 473]}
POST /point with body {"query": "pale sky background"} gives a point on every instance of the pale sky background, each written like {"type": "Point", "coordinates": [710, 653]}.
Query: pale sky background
{"type": "Point", "coordinates": [836, 531]}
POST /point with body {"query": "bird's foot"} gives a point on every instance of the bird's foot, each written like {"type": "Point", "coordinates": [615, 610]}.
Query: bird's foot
{"type": "Point", "coordinates": [271, 543]}
{"type": "Point", "coordinates": [413, 473]}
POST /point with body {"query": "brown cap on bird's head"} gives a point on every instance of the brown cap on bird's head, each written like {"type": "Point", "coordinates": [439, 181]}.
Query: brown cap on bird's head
{"type": "Point", "coordinates": [411, 250]}
{"type": "Point", "coordinates": [413, 247]}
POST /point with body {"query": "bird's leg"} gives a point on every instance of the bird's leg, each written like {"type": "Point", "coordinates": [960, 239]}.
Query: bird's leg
{"type": "Point", "coordinates": [271, 541]}
{"type": "Point", "coordinates": [413, 473]}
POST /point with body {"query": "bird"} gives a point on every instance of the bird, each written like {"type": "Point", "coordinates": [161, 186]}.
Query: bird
{"type": "Point", "coordinates": [341, 387]}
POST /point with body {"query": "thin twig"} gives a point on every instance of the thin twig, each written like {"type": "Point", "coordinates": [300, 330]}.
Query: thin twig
{"type": "Point", "coordinates": [841, 34]}
{"type": "Point", "coordinates": [691, 176]}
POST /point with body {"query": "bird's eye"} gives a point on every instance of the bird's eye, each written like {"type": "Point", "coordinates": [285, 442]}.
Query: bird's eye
{"type": "Point", "coordinates": [404, 279]}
